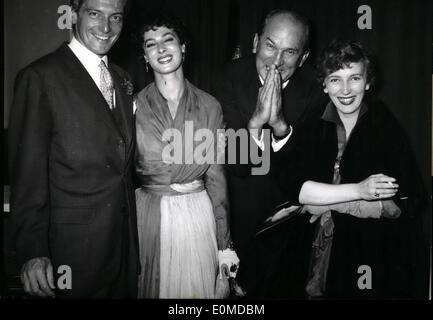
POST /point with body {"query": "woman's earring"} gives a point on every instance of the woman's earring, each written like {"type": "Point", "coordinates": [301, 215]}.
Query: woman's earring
{"type": "Point", "coordinates": [324, 87]}
{"type": "Point", "coordinates": [183, 56]}
{"type": "Point", "coordinates": [147, 64]}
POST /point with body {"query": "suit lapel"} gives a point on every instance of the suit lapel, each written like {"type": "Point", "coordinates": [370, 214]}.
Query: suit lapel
{"type": "Point", "coordinates": [84, 84]}
{"type": "Point", "coordinates": [124, 107]}
{"type": "Point", "coordinates": [251, 89]}
{"type": "Point", "coordinates": [294, 98]}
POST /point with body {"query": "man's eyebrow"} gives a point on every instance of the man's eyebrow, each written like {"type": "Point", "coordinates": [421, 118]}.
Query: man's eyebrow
{"type": "Point", "coordinates": [285, 49]}
{"type": "Point", "coordinates": [99, 11]}
{"type": "Point", "coordinates": [92, 9]}
{"type": "Point", "coordinates": [269, 39]}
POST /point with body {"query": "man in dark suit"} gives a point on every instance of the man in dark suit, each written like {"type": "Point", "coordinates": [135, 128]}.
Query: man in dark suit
{"type": "Point", "coordinates": [272, 91]}
{"type": "Point", "coordinates": [71, 146]}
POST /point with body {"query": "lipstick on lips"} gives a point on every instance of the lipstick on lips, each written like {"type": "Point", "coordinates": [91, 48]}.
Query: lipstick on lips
{"type": "Point", "coordinates": [165, 59]}
{"type": "Point", "coordinates": [346, 100]}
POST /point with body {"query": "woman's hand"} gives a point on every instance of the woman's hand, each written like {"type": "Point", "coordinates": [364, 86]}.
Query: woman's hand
{"type": "Point", "coordinates": [377, 187]}
{"type": "Point", "coordinates": [222, 285]}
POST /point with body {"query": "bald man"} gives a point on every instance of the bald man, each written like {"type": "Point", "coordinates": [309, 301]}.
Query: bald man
{"type": "Point", "coordinates": [271, 90]}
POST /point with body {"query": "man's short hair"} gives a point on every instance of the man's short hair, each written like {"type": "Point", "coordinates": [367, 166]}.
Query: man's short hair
{"type": "Point", "coordinates": [340, 54]}
{"type": "Point", "coordinates": [76, 4]}
{"type": "Point", "coordinates": [298, 17]}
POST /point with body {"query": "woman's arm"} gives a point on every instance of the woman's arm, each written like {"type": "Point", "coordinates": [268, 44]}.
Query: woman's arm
{"type": "Point", "coordinates": [215, 182]}
{"type": "Point", "coordinates": [359, 208]}
{"type": "Point", "coordinates": [216, 186]}
{"type": "Point", "coordinates": [375, 187]}
{"type": "Point", "coordinates": [317, 193]}
{"type": "Point", "coordinates": [351, 198]}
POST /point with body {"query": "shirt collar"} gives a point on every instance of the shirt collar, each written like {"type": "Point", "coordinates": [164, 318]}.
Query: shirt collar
{"type": "Point", "coordinates": [330, 114]}
{"type": "Point", "coordinates": [86, 57]}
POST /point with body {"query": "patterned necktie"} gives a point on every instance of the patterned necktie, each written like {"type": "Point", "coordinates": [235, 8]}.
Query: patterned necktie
{"type": "Point", "coordinates": [107, 87]}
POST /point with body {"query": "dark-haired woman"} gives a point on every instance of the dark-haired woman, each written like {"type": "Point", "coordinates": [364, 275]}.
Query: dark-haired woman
{"type": "Point", "coordinates": [182, 204]}
{"type": "Point", "coordinates": [355, 173]}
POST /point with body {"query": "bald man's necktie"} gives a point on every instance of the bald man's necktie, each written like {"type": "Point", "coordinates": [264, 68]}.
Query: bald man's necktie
{"type": "Point", "coordinates": [107, 87]}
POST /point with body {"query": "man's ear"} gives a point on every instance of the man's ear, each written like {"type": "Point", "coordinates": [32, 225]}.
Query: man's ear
{"type": "Point", "coordinates": [304, 58]}
{"type": "Point", "coordinates": [74, 16]}
{"type": "Point", "coordinates": [255, 42]}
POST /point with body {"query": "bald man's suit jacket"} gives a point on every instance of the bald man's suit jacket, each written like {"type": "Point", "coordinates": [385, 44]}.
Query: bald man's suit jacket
{"type": "Point", "coordinates": [275, 265]}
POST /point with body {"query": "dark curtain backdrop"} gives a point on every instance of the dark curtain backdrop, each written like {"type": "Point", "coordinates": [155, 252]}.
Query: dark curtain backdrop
{"type": "Point", "coordinates": [400, 40]}
{"type": "Point", "coordinates": [30, 31]}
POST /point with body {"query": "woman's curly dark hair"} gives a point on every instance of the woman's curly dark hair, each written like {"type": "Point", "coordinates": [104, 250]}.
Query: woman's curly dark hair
{"type": "Point", "coordinates": [153, 22]}
{"type": "Point", "coordinates": [340, 54]}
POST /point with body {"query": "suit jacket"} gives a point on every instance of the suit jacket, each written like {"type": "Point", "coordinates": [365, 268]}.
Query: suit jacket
{"type": "Point", "coordinates": [72, 197]}
{"type": "Point", "coordinates": [252, 197]}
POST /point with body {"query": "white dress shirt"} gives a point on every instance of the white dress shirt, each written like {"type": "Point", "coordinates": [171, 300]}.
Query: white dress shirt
{"type": "Point", "coordinates": [90, 61]}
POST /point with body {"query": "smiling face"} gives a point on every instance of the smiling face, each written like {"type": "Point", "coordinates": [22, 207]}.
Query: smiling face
{"type": "Point", "coordinates": [346, 88]}
{"type": "Point", "coordinates": [98, 24]}
{"type": "Point", "coordinates": [282, 44]}
{"type": "Point", "coordinates": [163, 51]}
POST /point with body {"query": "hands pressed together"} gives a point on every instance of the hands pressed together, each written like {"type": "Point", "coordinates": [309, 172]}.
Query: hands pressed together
{"type": "Point", "coordinates": [268, 108]}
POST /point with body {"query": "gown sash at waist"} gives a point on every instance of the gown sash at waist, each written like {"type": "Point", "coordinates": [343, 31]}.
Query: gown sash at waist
{"type": "Point", "coordinates": [175, 189]}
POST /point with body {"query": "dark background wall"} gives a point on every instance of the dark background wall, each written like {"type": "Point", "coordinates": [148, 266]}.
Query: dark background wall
{"type": "Point", "coordinates": [30, 31]}
{"type": "Point", "coordinates": [400, 38]}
